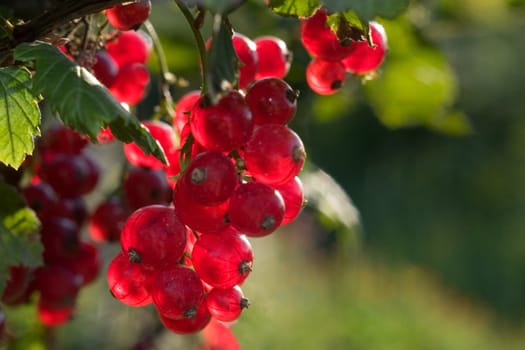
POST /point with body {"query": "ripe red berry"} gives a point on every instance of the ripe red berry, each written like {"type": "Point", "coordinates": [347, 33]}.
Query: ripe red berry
{"type": "Point", "coordinates": [161, 132]}
{"type": "Point", "coordinates": [226, 304]}
{"type": "Point", "coordinates": [154, 236]}
{"type": "Point", "coordinates": [273, 57]}
{"type": "Point", "coordinates": [188, 325]}
{"type": "Point", "coordinates": [246, 51]}
{"type": "Point", "coordinates": [129, 282]}
{"type": "Point", "coordinates": [177, 292]}
{"type": "Point", "coordinates": [41, 198]}
{"type": "Point", "coordinates": [224, 126]}
{"type": "Point", "coordinates": [61, 239]}
{"type": "Point", "coordinates": [256, 209]}
{"type": "Point", "coordinates": [319, 40]}
{"type": "Point", "coordinates": [62, 139]}
{"type": "Point", "coordinates": [183, 109]}
{"type": "Point", "coordinates": [325, 77]}
{"type": "Point", "coordinates": [131, 83]}
{"type": "Point", "coordinates": [223, 259]}
{"type": "Point", "coordinates": [365, 58]}
{"type": "Point", "coordinates": [57, 284]}
{"type": "Point", "coordinates": [274, 155]}
{"type": "Point", "coordinates": [105, 68]}
{"type": "Point", "coordinates": [129, 16]}
{"type": "Point", "coordinates": [52, 315]}
{"type": "Point", "coordinates": [210, 178]}
{"type": "Point", "coordinates": [271, 101]}
{"type": "Point", "coordinates": [20, 278]}
{"type": "Point", "coordinates": [293, 196]}
{"type": "Point", "coordinates": [144, 186]}
{"type": "Point", "coordinates": [129, 47]}
{"type": "Point", "coordinates": [107, 221]}
{"type": "Point", "coordinates": [86, 263]}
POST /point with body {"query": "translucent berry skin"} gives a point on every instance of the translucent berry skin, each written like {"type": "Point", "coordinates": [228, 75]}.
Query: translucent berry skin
{"type": "Point", "coordinates": [144, 186]}
{"type": "Point", "coordinates": [365, 58]}
{"type": "Point", "coordinates": [129, 282]}
{"type": "Point", "coordinates": [201, 218]}
{"type": "Point", "coordinates": [41, 198]}
{"type": "Point", "coordinates": [210, 178]}
{"type": "Point", "coordinates": [256, 209]}
{"type": "Point", "coordinates": [129, 16]}
{"type": "Point", "coordinates": [154, 236]}
{"type": "Point", "coordinates": [61, 239]}
{"type": "Point", "coordinates": [325, 77]}
{"type": "Point", "coordinates": [274, 154]}
{"type": "Point", "coordinates": [160, 131]}
{"type": "Point", "coordinates": [52, 315]}
{"type": "Point", "coordinates": [226, 304]}
{"type": "Point", "coordinates": [20, 277]}
{"type": "Point", "coordinates": [222, 127]}
{"type": "Point", "coordinates": [130, 84]}
{"type": "Point", "coordinates": [273, 57]}
{"type": "Point", "coordinates": [188, 325]}
{"type": "Point", "coordinates": [107, 221]}
{"type": "Point", "coordinates": [319, 40]}
{"type": "Point", "coordinates": [218, 335]}
{"type": "Point", "coordinates": [177, 292]}
{"type": "Point", "coordinates": [86, 263]}
{"type": "Point", "coordinates": [129, 47]}
{"type": "Point", "coordinates": [105, 68]}
{"type": "Point", "coordinates": [223, 259]}
{"type": "Point", "coordinates": [246, 51]}
{"type": "Point", "coordinates": [271, 101]}
{"type": "Point", "coordinates": [71, 175]}
{"type": "Point", "coordinates": [183, 109]}
{"type": "Point", "coordinates": [293, 196]}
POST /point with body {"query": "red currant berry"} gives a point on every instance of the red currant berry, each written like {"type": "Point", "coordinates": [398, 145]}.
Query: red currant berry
{"type": "Point", "coordinates": [57, 284]}
{"type": "Point", "coordinates": [188, 325]}
{"type": "Point", "coordinates": [210, 178]}
{"type": "Point", "coordinates": [144, 186]}
{"type": "Point", "coordinates": [177, 292]}
{"type": "Point", "coordinates": [183, 109]}
{"type": "Point", "coordinates": [129, 282]}
{"type": "Point", "coordinates": [223, 259]}
{"type": "Point", "coordinates": [18, 283]}
{"type": "Point", "coordinates": [222, 127]}
{"type": "Point", "coordinates": [293, 196]}
{"type": "Point", "coordinates": [107, 221]}
{"type": "Point", "coordinates": [105, 69]}
{"type": "Point", "coordinates": [131, 83]}
{"type": "Point", "coordinates": [129, 47]}
{"type": "Point", "coordinates": [273, 57]}
{"type": "Point", "coordinates": [52, 315]}
{"type": "Point", "coordinates": [365, 58]}
{"type": "Point", "coordinates": [271, 101]}
{"type": "Point", "coordinates": [161, 132]}
{"type": "Point", "coordinates": [256, 209]}
{"type": "Point", "coordinates": [61, 239]}
{"type": "Point", "coordinates": [86, 262]}
{"type": "Point", "coordinates": [246, 51]}
{"type": "Point", "coordinates": [325, 77]}
{"type": "Point", "coordinates": [226, 304]}
{"type": "Point", "coordinates": [129, 16]}
{"type": "Point", "coordinates": [199, 217]}
{"type": "Point", "coordinates": [154, 236]}
{"type": "Point", "coordinates": [41, 198]}
{"type": "Point", "coordinates": [62, 139]}
{"type": "Point", "coordinates": [73, 208]}
{"type": "Point", "coordinates": [218, 335]}
{"type": "Point", "coordinates": [274, 155]}
{"type": "Point", "coordinates": [319, 40]}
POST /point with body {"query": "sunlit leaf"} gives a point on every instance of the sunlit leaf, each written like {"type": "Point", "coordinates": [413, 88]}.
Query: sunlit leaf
{"type": "Point", "coordinates": [19, 116]}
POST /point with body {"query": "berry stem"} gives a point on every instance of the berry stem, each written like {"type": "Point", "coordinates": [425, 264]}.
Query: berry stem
{"type": "Point", "coordinates": [199, 40]}
{"type": "Point", "coordinates": [166, 77]}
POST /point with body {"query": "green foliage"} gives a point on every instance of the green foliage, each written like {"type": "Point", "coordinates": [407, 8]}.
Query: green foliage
{"type": "Point", "coordinates": [416, 86]}
{"type": "Point", "coordinates": [367, 10]}
{"type": "Point", "coordinates": [296, 8]}
{"type": "Point", "coordinates": [19, 242]}
{"type": "Point", "coordinates": [19, 116]}
{"type": "Point", "coordinates": [82, 102]}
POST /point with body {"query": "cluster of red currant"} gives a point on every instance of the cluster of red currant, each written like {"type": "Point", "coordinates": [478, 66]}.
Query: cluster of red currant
{"type": "Point", "coordinates": [237, 178]}
{"type": "Point", "coordinates": [63, 172]}
{"type": "Point", "coordinates": [333, 59]}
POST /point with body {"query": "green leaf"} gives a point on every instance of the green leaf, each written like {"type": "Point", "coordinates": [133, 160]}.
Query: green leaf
{"type": "Point", "coordinates": [367, 10]}
{"type": "Point", "coordinates": [296, 8]}
{"type": "Point", "coordinates": [223, 62]}
{"type": "Point", "coordinates": [81, 100]}
{"type": "Point", "coordinates": [216, 6]}
{"type": "Point", "coordinates": [348, 26]}
{"type": "Point", "coordinates": [19, 116]}
{"type": "Point", "coordinates": [19, 240]}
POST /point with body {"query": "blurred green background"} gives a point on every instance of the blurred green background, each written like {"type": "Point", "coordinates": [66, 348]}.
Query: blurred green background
{"type": "Point", "coordinates": [429, 252]}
